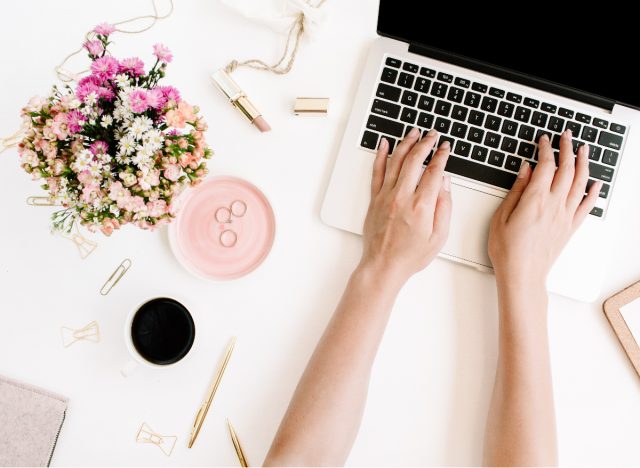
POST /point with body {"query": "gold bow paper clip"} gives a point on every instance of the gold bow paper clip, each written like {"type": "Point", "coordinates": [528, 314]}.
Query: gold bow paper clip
{"type": "Point", "coordinates": [146, 435]}
{"type": "Point", "coordinates": [90, 332]}
{"type": "Point", "coordinates": [84, 245]}
{"type": "Point", "coordinates": [10, 141]}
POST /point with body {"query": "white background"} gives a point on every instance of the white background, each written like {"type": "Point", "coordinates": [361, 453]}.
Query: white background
{"type": "Point", "coordinates": [434, 373]}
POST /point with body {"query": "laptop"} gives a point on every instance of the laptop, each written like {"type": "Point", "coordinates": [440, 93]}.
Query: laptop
{"type": "Point", "coordinates": [492, 86]}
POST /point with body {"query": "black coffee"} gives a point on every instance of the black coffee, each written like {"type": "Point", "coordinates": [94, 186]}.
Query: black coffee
{"type": "Point", "coordinates": [163, 331]}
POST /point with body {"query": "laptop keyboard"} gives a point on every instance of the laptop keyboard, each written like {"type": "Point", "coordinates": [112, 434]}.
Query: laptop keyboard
{"type": "Point", "coordinates": [491, 131]}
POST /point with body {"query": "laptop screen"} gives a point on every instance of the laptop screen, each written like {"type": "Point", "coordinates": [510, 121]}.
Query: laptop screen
{"type": "Point", "coordinates": [589, 49]}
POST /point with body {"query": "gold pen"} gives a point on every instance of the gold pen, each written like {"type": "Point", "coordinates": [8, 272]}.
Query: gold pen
{"type": "Point", "coordinates": [236, 444]}
{"type": "Point", "coordinates": [202, 412]}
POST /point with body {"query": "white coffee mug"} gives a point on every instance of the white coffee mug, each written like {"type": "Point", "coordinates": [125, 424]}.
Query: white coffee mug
{"type": "Point", "coordinates": [136, 358]}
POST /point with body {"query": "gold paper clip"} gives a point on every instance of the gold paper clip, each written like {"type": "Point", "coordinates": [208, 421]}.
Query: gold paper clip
{"type": "Point", "coordinates": [115, 277]}
{"type": "Point", "coordinates": [41, 201]}
{"type": "Point", "coordinates": [146, 435]}
{"type": "Point", "coordinates": [84, 245]}
{"type": "Point", "coordinates": [90, 332]}
{"type": "Point", "coordinates": [10, 141]}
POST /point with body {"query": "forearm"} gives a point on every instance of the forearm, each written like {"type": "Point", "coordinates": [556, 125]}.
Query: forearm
{"type": "Point", "coordinates": [324, 415]}
{"type": "Point", "coordinates": [521, 424]}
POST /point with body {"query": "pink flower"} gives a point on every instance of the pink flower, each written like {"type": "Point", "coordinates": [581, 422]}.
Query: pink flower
{"type": "Point", "coordinates": [170, 93]}
{"type": "Point", "coordinates": [99, 147]}
{"type": "Point", "coordinates": [134, 204]}
{"type": "Point", "coordinates": [138, 101]}
{"type": "Point", "coordinates": [105, 67]}
{"type": "Point", "coordinates": [157, 208]}
{"type": "Point", "coordinates": [104, 29]}
{"type": "Point", "coordinates": [163, 53]}
{"type": "Point", "coordinates": [60, 127]}
{"type": "Point", "coordinates": [109, 225]}
{"type": "Point", "coordinates": [75, 120]}
{"type": "Point", "coordinates": [156, 99]}
{"type": "Point", "coordinates": [94, 47]}
{"type": "Point", "coordinates": [179, 116]}
{"type": "Point", "coordinates": [149, 179]}
{"type": "Point", "coordinates": [172, 172]}
{"type": "Point", "coordinates": [134, 66]}
{"type": "Point", "coordinates": [87, 85]}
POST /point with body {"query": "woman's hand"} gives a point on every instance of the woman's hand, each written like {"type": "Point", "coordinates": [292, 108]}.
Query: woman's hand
{"type": "Point", "coordinates": [540, 213]}
{"type": "Point", "coordinates": [408, 218]}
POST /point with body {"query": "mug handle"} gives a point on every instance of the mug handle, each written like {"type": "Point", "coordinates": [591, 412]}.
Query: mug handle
{"type": "Point", "coordinates": [129, 368]}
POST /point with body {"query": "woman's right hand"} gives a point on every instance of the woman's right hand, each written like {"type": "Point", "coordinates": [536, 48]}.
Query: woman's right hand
{"type": "Point", "coordinates": [540, 213]}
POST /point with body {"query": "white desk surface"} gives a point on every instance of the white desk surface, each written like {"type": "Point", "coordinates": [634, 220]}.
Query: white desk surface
{"type": "Point", "coordinates": [433, 376]}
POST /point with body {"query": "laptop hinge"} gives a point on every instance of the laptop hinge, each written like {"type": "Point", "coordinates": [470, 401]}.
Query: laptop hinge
{"type": "Point", "coordinates": [511, 75]}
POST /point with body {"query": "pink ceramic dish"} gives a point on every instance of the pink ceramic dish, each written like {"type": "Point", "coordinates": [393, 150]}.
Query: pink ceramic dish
{"type": "Point", "coordinates": [214, 245]}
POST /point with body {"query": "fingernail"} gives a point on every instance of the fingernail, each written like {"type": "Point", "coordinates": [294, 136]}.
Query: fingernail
{"type": "Point", "coordinates": [544, 137]}
{"type": "Point", "coordinates": [446, 183]}
{"type": "Point", "coordinates": [384, 143]}
{"type": "Point", "coordinates": [445, 144]}
{"type": "Point", "coordinates": [432, 132]}
{"type": "Point", "coordinates": [584, 148]}
{"type": "Point", "coordinates": [568, 134]}
{"type": "Point", "coordinates": [524, 168]}
{"type": "Point", "coordinates": [414, 132]}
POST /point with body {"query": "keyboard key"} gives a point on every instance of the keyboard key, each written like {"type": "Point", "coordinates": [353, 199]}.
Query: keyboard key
{"type": "Point", "coordinates": [462, 82]}
{"type": "Point", "coordinates": [442, 125]}
{"type": "Point", "coordinates": [479, 87]}
{"type": "Point", "coordinates": [493, 122]}
{"type": "Point", "coordinates": [548, 108]}
{"type": "Point", "coordinates": [459, 113]}
{"type": "Point", "coordinates": [406, 80]}
{"type": "Point", "coordinates": [443, 108]}
{"type": "Point", "coordinates": [583, 118]}
{"type": "Point", "coordinates": [556, 124]}
{"type": "Point", "coordinates": [589, 134]}
{"type": "Point", "coordinates": [600, 123]}
{"type": "Point", "coordinates": [618, 128]}
{"type": "Point", "coordinates": [574, 127]}
{"type": "Point", "coordinates": [539, 133]}
{"type": "Point", "coordinates": [526, 133]}
{"type": "Point", "coordinates": [509, 127]}
{"type": "Point", "coordinates": [514, 98]}
{"type": "Point", "coordinates": [531, 103]}
{"type": "Point", "coordinates": [392, 143]}
{"type": "Point", "coordinates": [480, 172]}
{"type": "Point", "coordinates": [463, 148]}
{"type": "Point", "coordinates": [455, 94]}
{"type": "Point", "coordinates": [610, 140]}
{"type": "Point", "coordinates": [489, 104]}
{"type": "Point", "coordinates": [610, 157]}
{"type": "Point", "coordinates": [513, 163]}
{"type": "Point", "coordinates": [499, 93]}
{"type": "Point", "coordinates": [597, 211]}
{"type": "Point", "coordinates": [458, 130]}
{"type": "Point", "coordinates": [505, 109]}
{"type": "Point", "coordinates": [389, 75]}
{"type": "Point", "coordinates": [492, 139]}
{"type": "Point", "coordinates": [555, 142]}
{"type": "Point", "coordinates": [444, 138]}
{"type": "Point", "coordinates": [385, 108]}
{"type": "Point", "coordinates": [496, 158]}
{"type": "Point", "coordinates": [472, 99]}
{"type": "Point", "coordinates": [428, 72]}
{"type": "Point", "coordinates": [479, 153]}
{"type": "Point", "coordinates": [409, 98]}
{"type": "Point", "coordinates": [601, 172]}
{"type": "Point", "coordinates": [539, 119]}
{"type": "Point", "coordinates": [410, 67]}
{"type": "Point", "coordinates": [380, 124]}
{"type": "Point", "coordinates": [595, 152]}
{"type": "Point", "coordinates": [422, 85]}
{"type": "Point", "coordinates": [369, 140]}
{"type": "Point", "coordinates": [509, 145]}
{"type": "Point", "coordinates": [409, 115]}
{"type": "Point", "coordinates": [439, 89]}
{"type": "Point", "coordinates": [565, 113]}
{"type": "Point", "coordinates": [604, 190]}
{"type": "Point", "coordinates": [445, 77]}
{"type": "Point", "coordinates": [476, 117]}
{"type": "Point", "coordinates": [425, 120]}
{"type": "Point", "coordinates": [523, 114]}
{"type": "Point", "coordinates": [476, 135]}
{"type": "Point", "coordinates": [388, 92]}
{"type": "Point", "coordinates": [526, 149]}
{"type": "Point", "coordinates": [426, 103]}
{"type": "Point", "coordinates": [393, 62]}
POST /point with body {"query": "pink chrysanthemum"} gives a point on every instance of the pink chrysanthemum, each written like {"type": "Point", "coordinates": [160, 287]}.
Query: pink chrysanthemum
{"type": "Point", "coordinates": [138, 101]}
{"type": "Point", "coordinates": [94, 48]}
{"type": "Point", "coordinates": [163, 53]}
{"type": "Point", "coordinates": [99, 147]}
{"type": "Point", "coordinates": [133, 65]}
{"type": "Point", "coordinates": [75, 120]}
{"type": "Point", "coordinates": [170, 93]}
{"type": "Point", "coordinates": [156, 99]}
{"type": "Point", "coordinates": [104, 29]}
{"type": "Point", "coordinates": [105, 67]}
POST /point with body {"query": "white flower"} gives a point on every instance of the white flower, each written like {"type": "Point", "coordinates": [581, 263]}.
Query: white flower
{"type": "Point", "coordinates": [80, 165]}
{"type": "Point", "coordinates": [114, 210]}
{"type": "Point", "coordinates": [107, 120]}
{"type": "Point", "coordinates": [122, 80]}
{"type": "Point", "coordinates": [105, 159]}
{"type": "Point", "coordinates": [154, 139]}
{"type": "Point", "coordinates": [95, 168]}
{"type": "Point", "coordinates": [92, 121]}
{"type": "Point", "coordinates": [127, 144]}
{"type": "Point", "coordinates": [91, 99]}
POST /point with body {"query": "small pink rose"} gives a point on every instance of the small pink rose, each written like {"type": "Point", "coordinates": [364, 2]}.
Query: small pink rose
{"type": "Point", "coordinates": [172, 172]}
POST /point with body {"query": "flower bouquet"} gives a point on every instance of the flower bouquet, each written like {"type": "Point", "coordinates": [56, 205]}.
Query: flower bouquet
{"type": "Point", "coordinates": [117, 149]}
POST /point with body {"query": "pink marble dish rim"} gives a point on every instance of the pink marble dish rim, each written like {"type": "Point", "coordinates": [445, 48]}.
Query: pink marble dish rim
{"type": "Point", "coordinates": [175, 244]}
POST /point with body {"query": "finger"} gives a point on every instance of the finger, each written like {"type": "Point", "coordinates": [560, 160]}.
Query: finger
{"type": "Point", "coordinates": [566, 166]}
{"type": "Point", "coordinates": [431, 180]}
{"type": "Point", "coordinates": [546, 168]}
{"type": "Point", "coordinates": [397, 158]}
{"type": "Point", "coordinates": [412, 167]}
{"type": "Point", "coordinates": [586, 205]}
{"type": "Point", "coordinates": [580, 179]}
{"type": "Point", "coordinates": [442, 213]}
{"type": "Point", "coordinates": [379, 166]}
{"type": "Point", "coordinates": [513, 197]}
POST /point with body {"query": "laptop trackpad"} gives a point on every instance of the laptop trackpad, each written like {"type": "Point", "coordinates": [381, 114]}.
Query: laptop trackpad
{"type": "Point", "coordinates": [469, 230]}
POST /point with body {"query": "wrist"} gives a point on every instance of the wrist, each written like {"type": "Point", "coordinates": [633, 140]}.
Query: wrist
{"type": "Point", "coordinates": [380, 275]}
